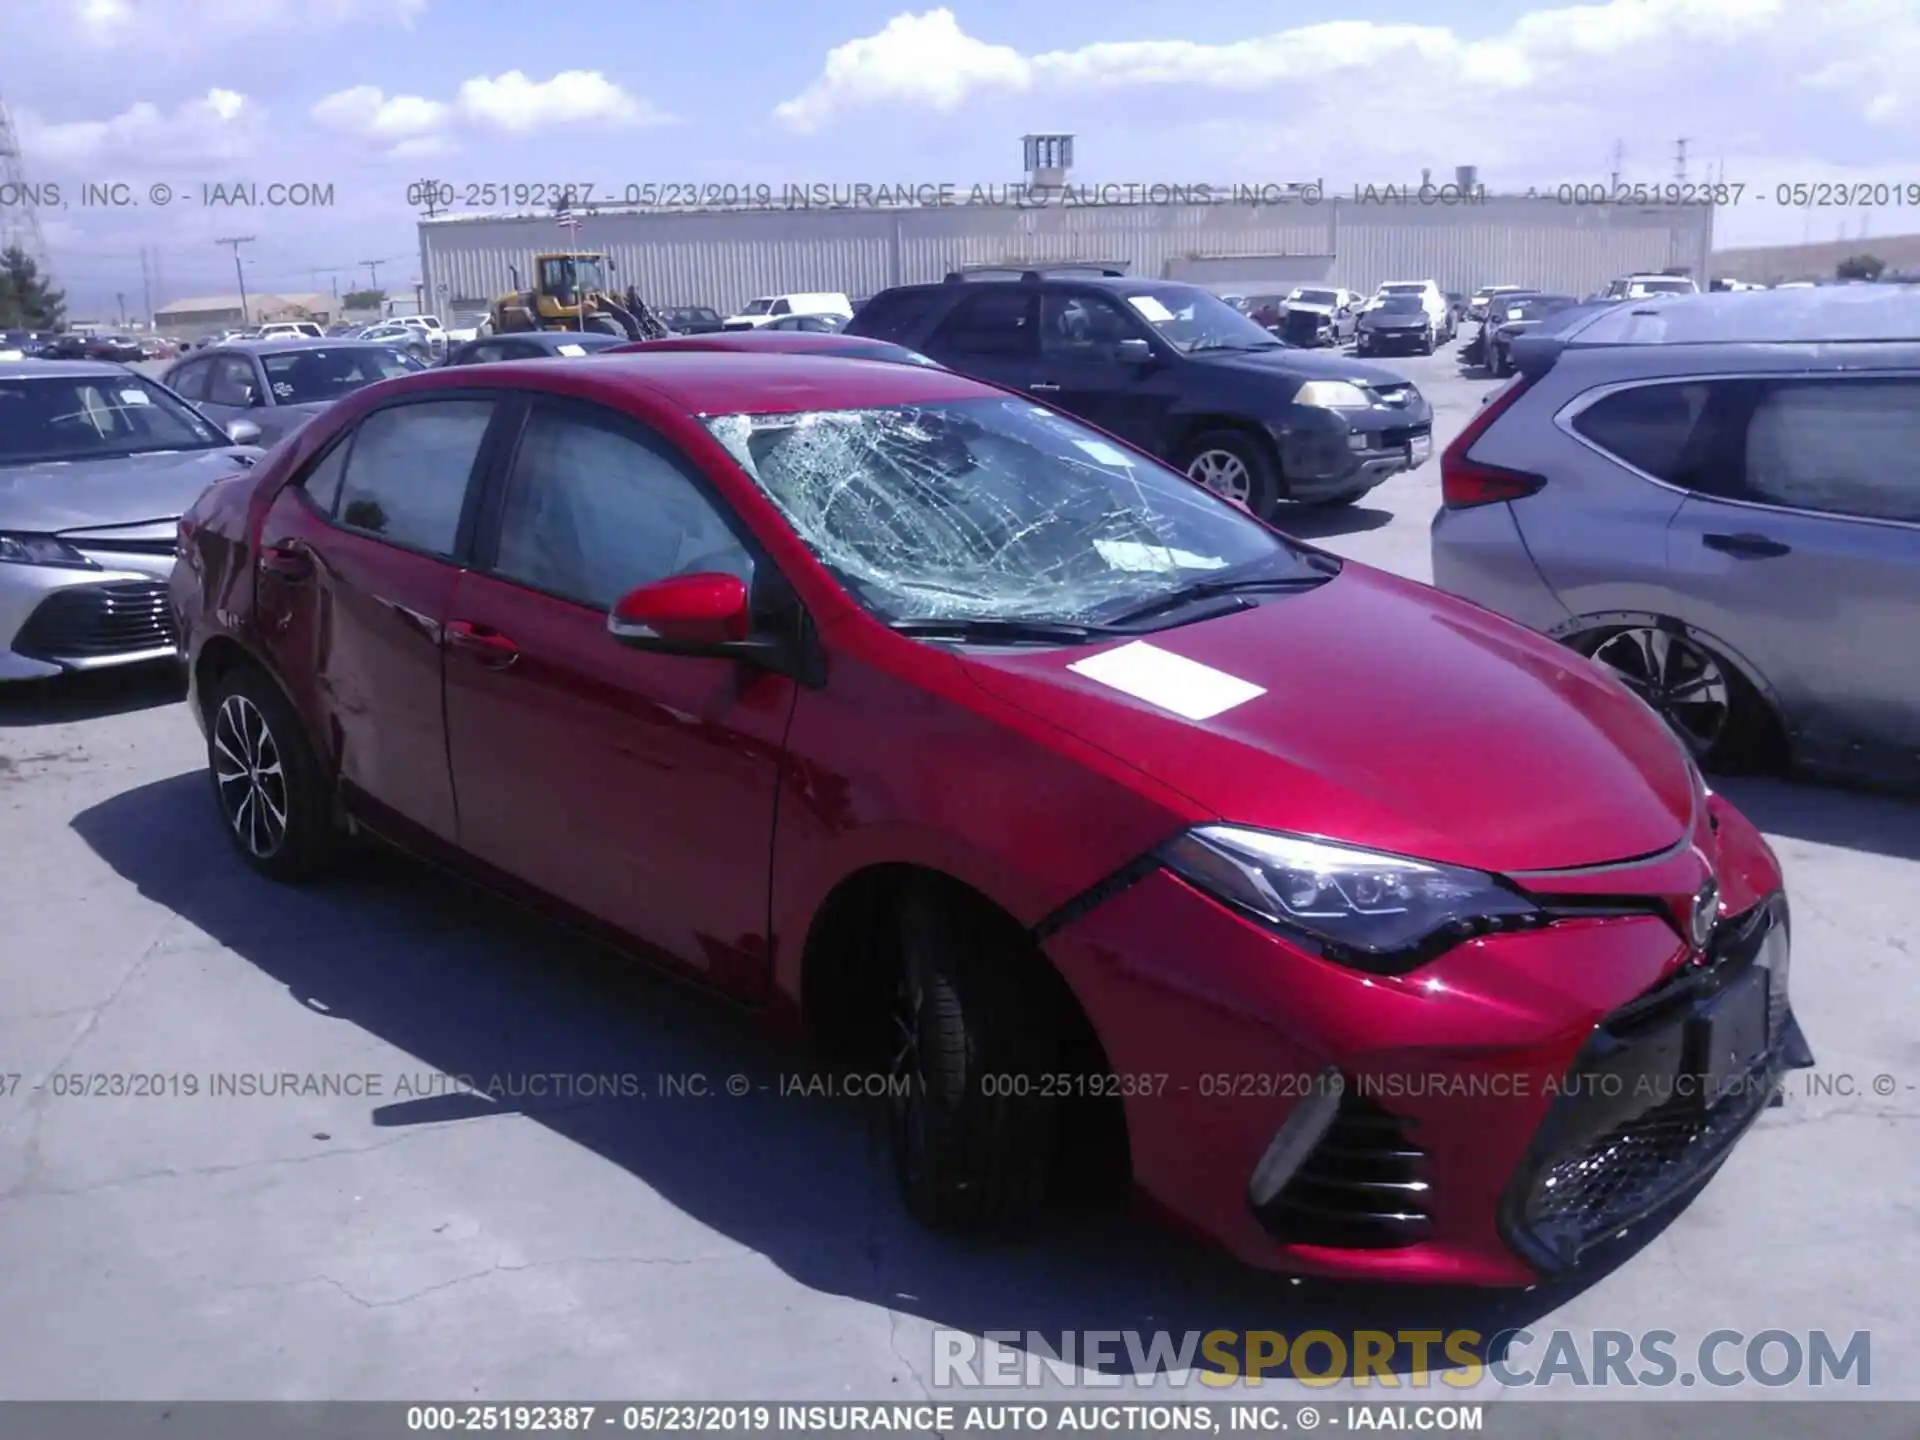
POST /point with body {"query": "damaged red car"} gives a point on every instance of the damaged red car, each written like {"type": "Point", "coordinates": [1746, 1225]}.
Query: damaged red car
{"type": "Point", "coordinates": [1382, 937]}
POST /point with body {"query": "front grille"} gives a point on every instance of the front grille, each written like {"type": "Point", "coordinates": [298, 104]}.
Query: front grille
{"type": "Point", "coordinates": [1363, 1187]}
{"type": "Point", "coordinates": [1636, 1127]}
{"type": "Point", "coordinates": [1403, 435]}
{"type": "Point", "coordinates": [98, 622]}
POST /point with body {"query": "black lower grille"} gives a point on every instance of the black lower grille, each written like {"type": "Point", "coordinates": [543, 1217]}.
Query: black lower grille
{"type": "Point", "coordinates": [1640, 1121]}
{"type": "Point", "coordinates": [1363, 1187]}
{"type": "Point", "coordinates": [1403, 435]}
{"type": "Point", "coordinates": [98, 622]}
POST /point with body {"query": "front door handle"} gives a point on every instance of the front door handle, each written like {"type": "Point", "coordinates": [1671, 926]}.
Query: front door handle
{"type": "Point", "coordinates": [289, 562]}
{"type": "Point", "coordinates": [1043, 388]}
{"type": "Point", "coordinates": [487, 645]}
{"type": "Point", "coordinates": [1747, 546]}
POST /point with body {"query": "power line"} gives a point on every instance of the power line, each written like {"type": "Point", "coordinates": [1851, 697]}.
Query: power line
{"type": "Point", "coordinates": [235, 242]}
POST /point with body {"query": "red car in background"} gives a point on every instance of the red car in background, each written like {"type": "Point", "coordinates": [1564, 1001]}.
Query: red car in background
{"type": "Point", "coordinates": [1394, 940]}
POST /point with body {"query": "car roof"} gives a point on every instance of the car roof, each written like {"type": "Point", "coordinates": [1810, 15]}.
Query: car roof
{"type": "Point", "coordinates": [290, 344]}
{"type": "Point", "coordinates": [61, 369]}
{"type": "Point", "coordinates": [551, 339]}
{"type": "Point", "coordinates": [720, 382]}
{"type": "Point", "coordinates": [1837, 315]}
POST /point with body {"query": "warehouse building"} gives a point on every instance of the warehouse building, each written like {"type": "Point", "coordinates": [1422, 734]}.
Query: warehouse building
{"type": "Point", "coordinates": [211, 314]}
{"type": "Point", "coordinates": [1240, 239]}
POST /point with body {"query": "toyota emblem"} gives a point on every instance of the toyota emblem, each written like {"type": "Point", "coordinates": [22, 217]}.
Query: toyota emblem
{"type": "Point", "coordinates": [1706, 906]}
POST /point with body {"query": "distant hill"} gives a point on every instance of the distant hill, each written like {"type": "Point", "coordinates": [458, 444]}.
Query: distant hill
{"type": "Point", "coordinates": [1770, 264]}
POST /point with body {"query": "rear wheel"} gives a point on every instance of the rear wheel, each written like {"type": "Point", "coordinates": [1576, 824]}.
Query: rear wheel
{"type": "Point", "coordinates": [267, 780]}
{"type": "Point", "coordinates": [973, 1134]}
{"type": "Point", "coordinates": [1234, 466]}
{"type": "Point", "coordinates": [1723, 721]}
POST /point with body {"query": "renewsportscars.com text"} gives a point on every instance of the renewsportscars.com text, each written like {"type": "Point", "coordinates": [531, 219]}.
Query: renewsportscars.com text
{"type": "Point", "coordinates": [1460, 1359]}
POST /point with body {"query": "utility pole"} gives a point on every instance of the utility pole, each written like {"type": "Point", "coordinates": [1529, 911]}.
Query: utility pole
{"type": "Point", "coordinates": [1619, 155]}
{"type": "Point", "coordinates": [234, 243]}
{"type": "Point", "coordinates": [146, 287]}
{"type": "Point", "coordinates": [120, 299]}
{"type": "Point", "coordinates": [19, 215]}
{"type": "Point", "coordinates": [1680, 162]}
{"type": "Point", "coordinates": [373, 273]}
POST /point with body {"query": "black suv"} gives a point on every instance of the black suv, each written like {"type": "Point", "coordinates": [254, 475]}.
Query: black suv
{"type": "Point", "coordinates": [1176, 371]}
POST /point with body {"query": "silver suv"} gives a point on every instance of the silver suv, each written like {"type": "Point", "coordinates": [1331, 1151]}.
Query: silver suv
{"type": "Point", "coordinates": [1719, 497]}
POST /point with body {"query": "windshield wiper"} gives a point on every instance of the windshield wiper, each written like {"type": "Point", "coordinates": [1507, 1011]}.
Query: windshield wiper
{"type": "Point", "coordinates": [1239, 345]}
{"type": "Point", "coordinates": [1214, 589]}
{"type": "Point", "coordinates": [991, 630]}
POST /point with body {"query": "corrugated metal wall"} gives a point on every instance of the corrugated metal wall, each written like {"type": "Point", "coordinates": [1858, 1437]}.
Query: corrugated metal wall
{"type": "Point", "coordinates": [724, 258]}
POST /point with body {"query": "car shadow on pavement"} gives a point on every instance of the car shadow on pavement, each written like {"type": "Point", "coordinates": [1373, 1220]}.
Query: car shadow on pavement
{"type": "Point", "coordinates": [467, 985]}
{"type": "Point", "coordinates": [1314, 522]}
{"type": "Point", "coordinates": [90, 695]}
{"type": "Point", "coordinates": [1846, 819]}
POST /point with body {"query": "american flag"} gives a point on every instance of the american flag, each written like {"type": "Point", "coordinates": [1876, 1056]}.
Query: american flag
{"type": "Point", "coordinates": [565, 218]}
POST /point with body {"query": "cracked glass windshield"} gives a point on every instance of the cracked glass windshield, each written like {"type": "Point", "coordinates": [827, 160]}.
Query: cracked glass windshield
{"type": "Point", "coordinates": [996, 509]}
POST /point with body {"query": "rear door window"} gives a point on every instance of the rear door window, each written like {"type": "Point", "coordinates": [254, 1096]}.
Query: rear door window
{"type": "Point", "coordinates": [997, 323]}
{"type": "Point", "coordinates": [1840, 447]}
{"type": "Point", "coordinates": [407, 477]}
{"type": "Point", "coordinates": [892, 314]}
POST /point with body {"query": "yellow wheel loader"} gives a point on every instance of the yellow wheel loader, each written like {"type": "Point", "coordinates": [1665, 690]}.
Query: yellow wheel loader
{"type": "Point", "coordinates": [570, 291]}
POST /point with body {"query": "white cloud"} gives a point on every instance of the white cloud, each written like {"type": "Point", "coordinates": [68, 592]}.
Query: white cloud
{"type": "Point", "coordinates": [513, 103]}
{"type": "Point", "coordinates": [1747, 72]}
{"type": "Point", "coordinates": [222, 125]}
{"type": "Point", "coordinates": [415, 127]}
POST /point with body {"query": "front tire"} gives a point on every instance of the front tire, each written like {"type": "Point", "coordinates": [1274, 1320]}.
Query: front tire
{"type": "Point", "coordinates": [266, 779]}
{"type": "Point", "coordinates": [1235, 466]}
{"type": "Point", "coordinates": [973, 1134]}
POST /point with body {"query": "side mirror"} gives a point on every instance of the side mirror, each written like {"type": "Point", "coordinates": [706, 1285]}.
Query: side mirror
{"type": "Point", "coordinates": [243, 432]}
{"type": "Point", "coordinates": [706, 614]}
{"type": "Point", "coordinates": [1133, 351]}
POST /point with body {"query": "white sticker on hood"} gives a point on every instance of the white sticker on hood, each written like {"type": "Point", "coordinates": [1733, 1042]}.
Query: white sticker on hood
{"type": "Point", "coordinates": [135, 397]}
{"type": "Point", "coordinates": [1102, 453]}
{"type": "Point", "coordinates": [1172, 682]}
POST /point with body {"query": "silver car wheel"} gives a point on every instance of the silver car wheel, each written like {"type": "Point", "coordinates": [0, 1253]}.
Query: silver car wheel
{"type": "Point", "coordinates": [249, 776]}
{"type": "Point", "coordinates": [1679, 679]}
{"type": "Point", "coordinates": [1224, 473]}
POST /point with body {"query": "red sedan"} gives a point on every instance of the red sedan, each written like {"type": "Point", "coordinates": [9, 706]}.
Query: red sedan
{"type": "Point", "coordinates": [1393, 940]}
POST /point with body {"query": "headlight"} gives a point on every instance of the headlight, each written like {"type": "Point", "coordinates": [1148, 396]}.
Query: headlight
{"type": "Point", "coordinates": [1383, 913]}
{"type": "Point", "coordinates": [42, 550]}
{"type": "Point", "coordinates": [1332, 395]}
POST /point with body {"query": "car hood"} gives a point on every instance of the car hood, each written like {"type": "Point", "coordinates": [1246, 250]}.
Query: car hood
{"type": "Point", "coordinates": [61, 495]}
{"type": "Point", "coordinates": [1396, 319]}
{"type": "Point", "coordinates": [1308, 307]}
{"type": "Point", "coordinates": [1300, 364]}
{"type": "Point", "coordinates": [1393, 717]}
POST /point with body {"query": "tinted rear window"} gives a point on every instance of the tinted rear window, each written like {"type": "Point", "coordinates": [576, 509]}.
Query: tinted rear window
{"type": "Point", "coordinates": [893, 313]}
{"type": "Point", "coordinates": [1648, 427]}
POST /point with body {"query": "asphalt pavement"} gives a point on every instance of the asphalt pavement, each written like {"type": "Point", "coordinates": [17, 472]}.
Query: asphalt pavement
{"type": "Point", "coordinates": [393, 1238]}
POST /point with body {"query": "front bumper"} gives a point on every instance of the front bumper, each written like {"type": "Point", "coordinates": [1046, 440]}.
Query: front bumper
{"type": "Point", "coordinates": [54, 620]}
{"type": "Point", "coordinates": [1466, 1147]}
{"type": "Point", "coordinates": [1330, 454]}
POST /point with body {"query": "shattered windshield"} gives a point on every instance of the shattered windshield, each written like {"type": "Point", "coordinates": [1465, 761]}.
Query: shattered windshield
{"type": "Point", "coordinates": [1193, 319]}
{"type": "Point", "coordinates": [993, 509]}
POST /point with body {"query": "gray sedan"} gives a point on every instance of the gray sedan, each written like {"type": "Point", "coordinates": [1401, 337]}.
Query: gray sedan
{"type": "Point", "coordinates": [279, 385]}
{"type": "Point", "coordinates": [1716, 496]}
{"type": "Point", "coordinates": [97, 464]}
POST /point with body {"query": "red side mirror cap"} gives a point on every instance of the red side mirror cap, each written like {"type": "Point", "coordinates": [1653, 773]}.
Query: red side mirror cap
{"type": "Point", "coordinates": [684, 611]}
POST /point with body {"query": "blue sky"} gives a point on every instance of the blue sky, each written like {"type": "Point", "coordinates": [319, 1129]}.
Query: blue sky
{"type": "Point", "coordinates": [371, 95]}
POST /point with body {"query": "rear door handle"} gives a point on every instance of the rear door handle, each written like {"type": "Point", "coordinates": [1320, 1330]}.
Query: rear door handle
{"type": "Point", "coordinates": [485, 644]}
{"type": "Point", "coordinates": [1747, 546]}
{"type": "Point", "coordinates": [289, 562]}
{"type": "Point", "coordinates": [1043, 388]}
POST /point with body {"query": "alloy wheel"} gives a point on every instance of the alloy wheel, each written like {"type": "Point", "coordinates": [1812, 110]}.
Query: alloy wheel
{"type": "Point", "coordinates": [1224, 473]}
{"type": "Point", "coordinates": [1679, 679]}
{"type": "Point", "coordinates": [251, 780]}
